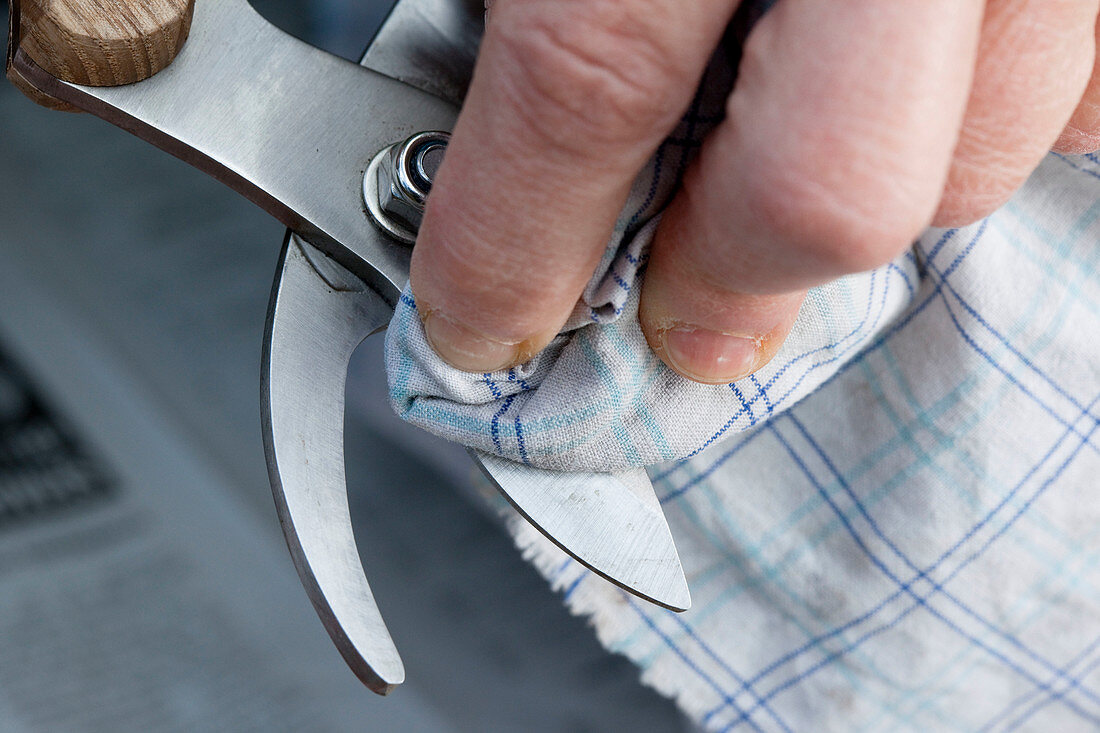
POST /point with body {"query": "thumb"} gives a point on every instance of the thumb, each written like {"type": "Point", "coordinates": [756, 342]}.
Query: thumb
{"type": "Point", "coordinates": [568, 100]}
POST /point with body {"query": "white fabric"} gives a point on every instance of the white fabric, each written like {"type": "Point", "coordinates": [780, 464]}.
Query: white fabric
{"type": "Point", "coordinates": [916, 545]}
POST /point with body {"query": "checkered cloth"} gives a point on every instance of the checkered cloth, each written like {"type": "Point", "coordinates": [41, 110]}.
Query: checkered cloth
{"type": "Point", "coordinates": [916, 545]}
{"type": "Point", "coordinates": [893, 526]}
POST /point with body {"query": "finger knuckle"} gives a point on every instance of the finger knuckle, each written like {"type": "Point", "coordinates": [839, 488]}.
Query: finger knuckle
{"type": "Point", "coordinates": [836, 229]}
{"type": "Point", "coordinates": [604, 77]}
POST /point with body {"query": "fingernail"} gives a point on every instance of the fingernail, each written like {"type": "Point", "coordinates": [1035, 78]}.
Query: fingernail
{"type": "Point", "coordinates": [707, 356]}
{"type": "Point", "coordinates": [466, 349]}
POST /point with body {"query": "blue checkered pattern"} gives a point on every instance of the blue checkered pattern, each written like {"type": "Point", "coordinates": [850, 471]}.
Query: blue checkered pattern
{"type": "Point", "coordinates": [915, 545]}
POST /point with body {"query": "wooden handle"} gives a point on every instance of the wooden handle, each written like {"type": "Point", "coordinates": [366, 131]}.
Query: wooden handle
{"type": "Point", "coordinates": [103, 42]}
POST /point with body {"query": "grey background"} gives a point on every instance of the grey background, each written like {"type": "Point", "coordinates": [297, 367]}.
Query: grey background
{"type": "Point", "coordinates": [175, 272]}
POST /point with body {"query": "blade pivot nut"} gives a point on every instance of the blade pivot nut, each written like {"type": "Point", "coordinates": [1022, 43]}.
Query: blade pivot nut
{"type": "Point", "coordinates": [398, 180]}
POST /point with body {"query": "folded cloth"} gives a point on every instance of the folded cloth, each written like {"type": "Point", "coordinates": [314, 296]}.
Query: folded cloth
{"type": "Point", "coordinates": [597, 398]}
{"type": "Point", "coordinates": [916, 545]}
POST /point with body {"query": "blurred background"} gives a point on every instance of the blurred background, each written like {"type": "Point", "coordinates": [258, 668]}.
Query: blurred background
{"type": "Point", "coordinates": [144, 581]}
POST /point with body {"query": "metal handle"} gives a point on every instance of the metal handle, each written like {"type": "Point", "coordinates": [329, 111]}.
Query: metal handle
{"type": "Point", "coordinates": [287, 125]}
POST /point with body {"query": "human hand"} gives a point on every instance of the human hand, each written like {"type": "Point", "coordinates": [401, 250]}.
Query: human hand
{"type": "Point", "coordinates": [852, 127]}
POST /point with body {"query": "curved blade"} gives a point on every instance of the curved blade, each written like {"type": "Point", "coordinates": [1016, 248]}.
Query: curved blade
{"type": "Point", "coordinates": [611, 523]}
{"type": "Point", "coordinates": [319, 313]}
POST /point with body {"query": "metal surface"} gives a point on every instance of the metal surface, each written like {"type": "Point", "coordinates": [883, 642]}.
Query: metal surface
{"type": "Point", "coordinates": [398, 180]}
{"type": "Point", "coordinates": [372, 197]}
{"type": "Point", "coordinates": [429, 157]}
{"type": "Point", "coordinates": [293, 129]}
{"type": "Point", "coordinates": [289, 126]}
{"type": "Point", "coordinates": [319, 313]}
{"type": "Point", "coordinates": [612, 523]}
{"type": "Point", "coordinates": [430, 44]}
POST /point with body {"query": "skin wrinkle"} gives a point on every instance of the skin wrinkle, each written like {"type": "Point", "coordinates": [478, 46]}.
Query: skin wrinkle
{"type": "Point", "coordinates": [1082, 133]}
{"type": "Point", "coordinates": [1077, 141]}
{"type": "Point", "coordinates": [479, 238]}
{"type": "Point", "coordinates": [1034, 63]}
{"type": "Point", "coordinates": [488, 299]}
{"type": "Point", "coordinates": [852, 234]}
{"type": "Point", "coordinates": [455, 257]}
{"type": "Point", "coordinates": [713, 303]}
{"type": "Point", "coordinates": [842, 170]}
{"type": "Point", "coordinates": [638, 83]}
{"type": "Point", "coordinates": [510, 120]}
{"type": "Point", "coordinates": [816, 223]}
{"type": "Point", "coordinates": [472, 229]}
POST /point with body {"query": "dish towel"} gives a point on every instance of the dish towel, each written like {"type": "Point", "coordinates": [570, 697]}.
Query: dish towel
{"type": "Point", "coordinates": [894, 525]}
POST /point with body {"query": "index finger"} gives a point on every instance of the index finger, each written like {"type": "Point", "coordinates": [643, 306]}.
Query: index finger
{"type": "Point", "coordinates": [568, 100]}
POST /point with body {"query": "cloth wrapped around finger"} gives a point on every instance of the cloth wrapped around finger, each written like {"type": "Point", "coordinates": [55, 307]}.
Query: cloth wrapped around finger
{"type": "Point", "coordinates": [597, 398]}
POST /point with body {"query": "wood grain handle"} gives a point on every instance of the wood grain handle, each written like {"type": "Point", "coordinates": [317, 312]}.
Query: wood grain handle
{"type": "Point", "coordinates": [103, 42]}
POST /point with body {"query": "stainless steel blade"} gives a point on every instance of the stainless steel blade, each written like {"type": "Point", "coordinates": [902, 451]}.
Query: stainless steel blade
{"type": "Point", "coordinates": [286, 124]}
{"type": "Point", "coordinates": [293, 129]}
{"type": "Point", "coordinates": [319, 313]}
{"type": "Point", "coordinates": [611, 522]}
{"type": "Point", "coordinates": [430, 44]}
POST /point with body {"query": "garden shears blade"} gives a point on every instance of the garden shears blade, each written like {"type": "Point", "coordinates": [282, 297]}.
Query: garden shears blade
{"type": "Point", "coordinates": [309, 137]}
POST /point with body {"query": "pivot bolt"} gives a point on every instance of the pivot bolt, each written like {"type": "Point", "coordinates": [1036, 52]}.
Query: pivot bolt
{"type": "Point", "coordinates": [398, 180]}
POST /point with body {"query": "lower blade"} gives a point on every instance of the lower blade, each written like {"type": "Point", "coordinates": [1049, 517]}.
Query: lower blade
{"type": "Point", "coordinates": [319, 314]}
{"type": "Point", "coordinates": [611, 523]}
